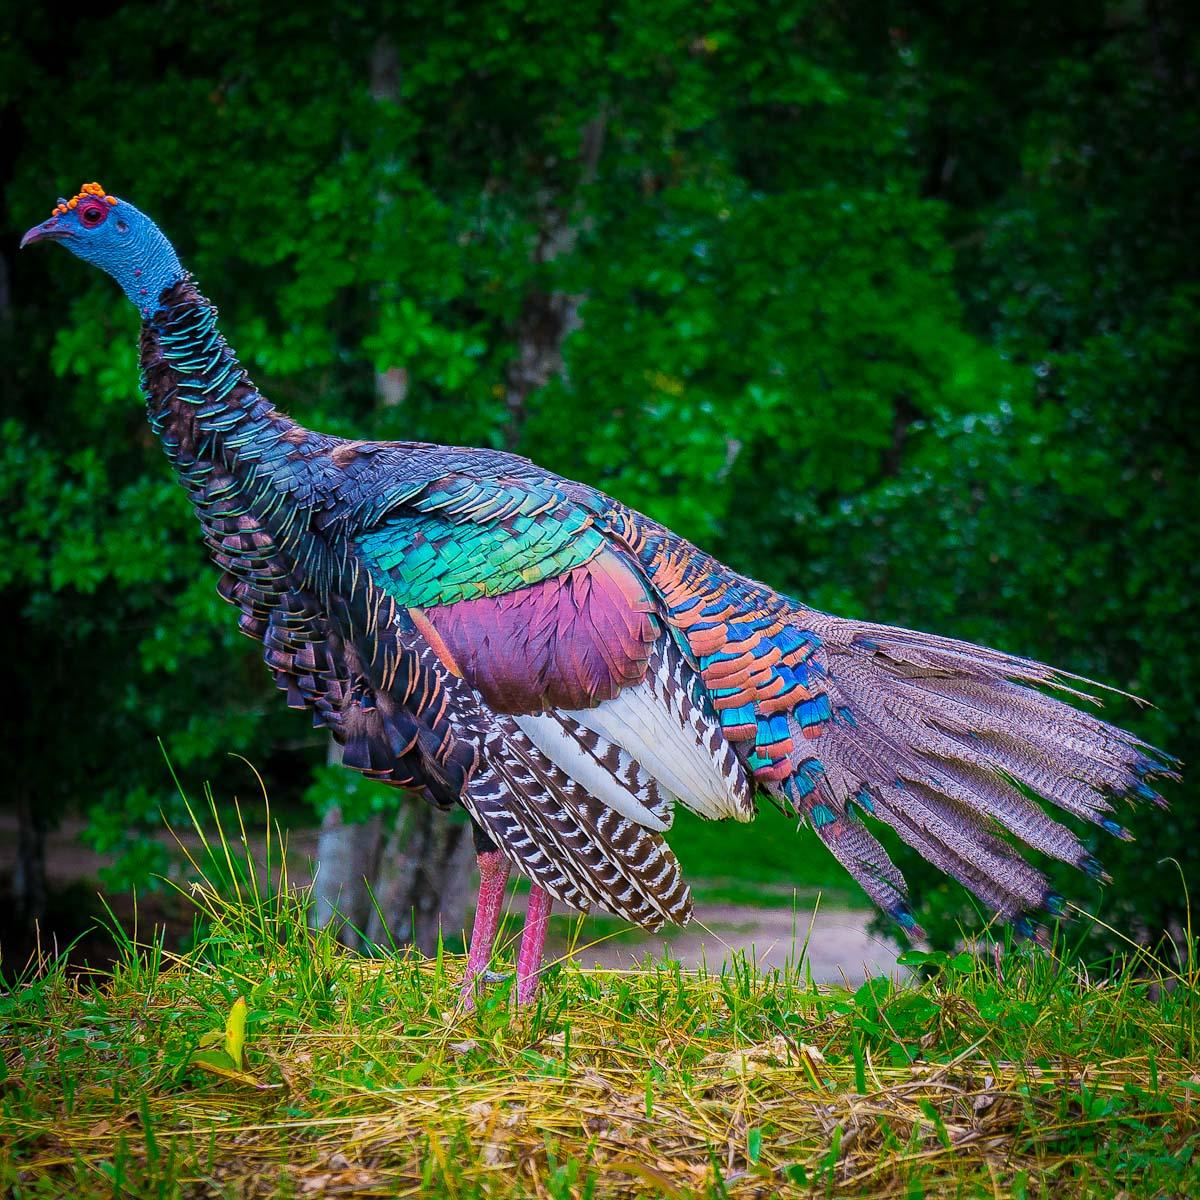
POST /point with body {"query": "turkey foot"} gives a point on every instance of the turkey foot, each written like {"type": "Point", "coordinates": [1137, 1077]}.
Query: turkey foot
{"type": "Point", "coordinates": [533, 944]}
{"type": "Point", "coordinates": [493, 876]}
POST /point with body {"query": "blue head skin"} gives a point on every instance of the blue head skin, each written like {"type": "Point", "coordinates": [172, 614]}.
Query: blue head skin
{"type": "Point", "coordinates": [113, 235]}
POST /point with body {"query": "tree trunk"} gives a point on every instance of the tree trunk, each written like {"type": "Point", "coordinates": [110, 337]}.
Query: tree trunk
{"type": "Point", "coordinates": [347, 861]}
{"type": "Point", "coordinates": [29, 872]}
{"type": "Point", "coordinates": [548, 317]}
{"type": "Point", "coordinates": [424, 882]}
{"type": "Point", "coordinates": [389, 884]}
{"type": "Point", "coordinates": [393, 883]}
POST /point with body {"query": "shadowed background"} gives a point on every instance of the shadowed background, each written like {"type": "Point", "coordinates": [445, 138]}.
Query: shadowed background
{"type": "Point", "coordinates": [894, 307]}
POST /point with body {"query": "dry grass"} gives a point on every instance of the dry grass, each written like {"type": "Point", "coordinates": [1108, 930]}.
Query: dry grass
{"type": "Point", "coordinates": [355, 1077]}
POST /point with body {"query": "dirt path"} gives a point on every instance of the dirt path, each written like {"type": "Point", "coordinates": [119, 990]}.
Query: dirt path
{"type": "Point", "coordinates": [839, 946]}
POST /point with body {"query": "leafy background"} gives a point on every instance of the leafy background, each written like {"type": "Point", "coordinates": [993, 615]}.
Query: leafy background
{"type": "Point", "coordinates": [894, 306]}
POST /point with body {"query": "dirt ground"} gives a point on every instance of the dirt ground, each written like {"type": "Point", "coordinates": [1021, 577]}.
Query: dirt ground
{"type": "Point", "coordinates": [839, 946]}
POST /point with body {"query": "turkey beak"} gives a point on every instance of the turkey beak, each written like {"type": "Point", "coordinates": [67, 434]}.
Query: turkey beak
{"type": "Point", "coordinates": [47, 231]}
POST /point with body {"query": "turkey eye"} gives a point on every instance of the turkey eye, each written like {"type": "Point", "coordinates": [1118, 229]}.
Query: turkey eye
{"type": "Point", "coordinates": [92, 216]}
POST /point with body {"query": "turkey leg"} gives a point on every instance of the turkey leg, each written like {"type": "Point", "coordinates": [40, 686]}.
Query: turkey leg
{"type": "Point", "coordinates": [493, 876]}
{"type": "Point", "coordinates": [533, 944]}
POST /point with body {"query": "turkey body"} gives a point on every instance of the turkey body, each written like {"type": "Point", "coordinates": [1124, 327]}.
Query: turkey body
{"type": "Point", "coordinates": [568, 670]}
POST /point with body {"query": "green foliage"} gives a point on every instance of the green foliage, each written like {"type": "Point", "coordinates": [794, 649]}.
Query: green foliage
{"type": "Point", "coordinates": [890, 309]}
{"type": "Point", "coordinates": [357, 797]}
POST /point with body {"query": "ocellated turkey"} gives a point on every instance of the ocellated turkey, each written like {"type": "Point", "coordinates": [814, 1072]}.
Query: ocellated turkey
{"type": "Point", "coordinates": [494, 636]}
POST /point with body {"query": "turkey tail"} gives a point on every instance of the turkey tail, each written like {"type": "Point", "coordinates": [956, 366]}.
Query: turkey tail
{"type": "Point", "coordinates": [945, 742]}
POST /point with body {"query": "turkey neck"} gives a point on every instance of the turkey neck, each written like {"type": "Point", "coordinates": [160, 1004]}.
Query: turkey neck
{"type": "Point", "coordinates": [248, 469]}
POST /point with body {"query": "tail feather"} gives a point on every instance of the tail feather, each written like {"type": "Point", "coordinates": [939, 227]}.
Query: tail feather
{"type": "Point", "coordinates": [942, 740]}
{"type": "Point", "coordinates": [993, 867]}
{"type": "Point", "coordinates": [1038, 772]}
{"type": "Point", "coordinates": [980, 769]}
{"type": "Point", "coordinates": [852, 844]}
{"type": "Point", "coordinates": [936, 852]}
{"type": "Point", "coordinates": [1011, 809]}
{"type": "Point", "coordinates": [1067, 736]}
{"type": "Point", "coordinates": [948, 827]}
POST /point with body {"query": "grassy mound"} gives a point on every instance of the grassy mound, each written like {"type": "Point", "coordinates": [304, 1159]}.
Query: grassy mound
{"type": "Point", "coordinates": [268, 1061]}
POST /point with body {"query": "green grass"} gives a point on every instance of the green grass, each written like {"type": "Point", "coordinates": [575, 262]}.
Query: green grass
{"type": "Point", "coordinates": [270, 1061]}
{"type": "Point", "coordinates": [769, 851]}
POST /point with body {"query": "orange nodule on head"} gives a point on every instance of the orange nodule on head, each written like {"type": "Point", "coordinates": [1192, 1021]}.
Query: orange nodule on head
{"type": "Point", "coordinates": [88, 189]}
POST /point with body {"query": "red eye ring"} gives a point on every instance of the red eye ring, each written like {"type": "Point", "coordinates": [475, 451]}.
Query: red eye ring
{"type": "Point", "coordinates": [92, 215]}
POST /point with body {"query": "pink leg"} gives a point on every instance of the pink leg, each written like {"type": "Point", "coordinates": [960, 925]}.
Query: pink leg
{"type": "Point", "coordinates": [493, 876]}
{"type": "Point", "coordinates": [533, 943]}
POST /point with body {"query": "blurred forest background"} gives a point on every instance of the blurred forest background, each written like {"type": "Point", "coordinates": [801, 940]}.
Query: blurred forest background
{"type": "Point", "coordinates": [894, 306]}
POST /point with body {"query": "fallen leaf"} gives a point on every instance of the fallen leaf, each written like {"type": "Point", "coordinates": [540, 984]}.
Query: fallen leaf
{"type": "Point", "coordinates": [217, 1062]}
{"type": "Point", "coordinates": [235, 1033]}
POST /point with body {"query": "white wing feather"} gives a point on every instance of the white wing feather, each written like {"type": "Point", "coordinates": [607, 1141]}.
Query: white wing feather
{"type": "Point", "coordinates": [670, 732]}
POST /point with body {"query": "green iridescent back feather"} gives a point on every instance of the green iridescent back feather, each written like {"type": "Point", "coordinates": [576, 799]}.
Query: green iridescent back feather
{"type": "Point", "coordinates": [424, 560]}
